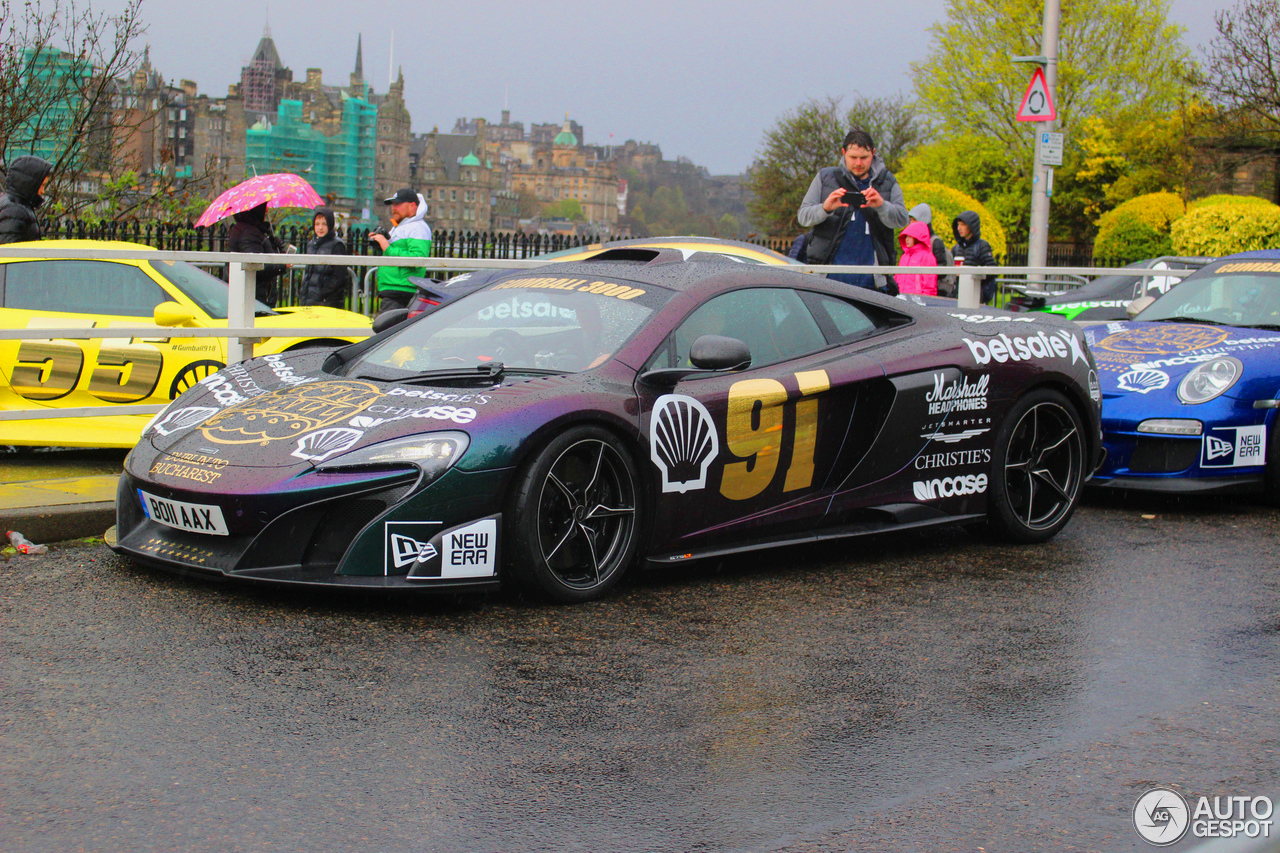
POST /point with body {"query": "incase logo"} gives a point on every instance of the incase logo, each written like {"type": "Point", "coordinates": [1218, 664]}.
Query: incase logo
{"type": "Point", "coordinates": [947, 487]}
{"type": "Point", "coordinates": [1002, 348]}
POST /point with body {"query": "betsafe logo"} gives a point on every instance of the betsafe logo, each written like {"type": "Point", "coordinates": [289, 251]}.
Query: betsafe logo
{"type": "Point", "coordinates": [1001, 348]}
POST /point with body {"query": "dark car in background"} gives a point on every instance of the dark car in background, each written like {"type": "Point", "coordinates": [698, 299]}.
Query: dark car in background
{"type": "Point", "coordinates": [1107, 296]}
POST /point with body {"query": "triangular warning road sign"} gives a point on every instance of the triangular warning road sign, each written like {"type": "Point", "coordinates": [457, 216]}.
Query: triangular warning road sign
{"type": "Point", "coordinates": [1037, 104]}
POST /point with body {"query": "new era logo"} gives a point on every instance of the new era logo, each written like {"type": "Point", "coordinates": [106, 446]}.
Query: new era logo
{"type": "Point", "coordinates": [405, 551]}
{"type": "Point", "coordinates": [1216, 448]}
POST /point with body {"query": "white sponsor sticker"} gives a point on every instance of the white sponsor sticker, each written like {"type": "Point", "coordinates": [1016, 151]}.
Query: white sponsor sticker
{"type": "Point", "coordinates": [1142, 381]}
{"type": "Point", "coordinates": [408, 546]}
{"type": "Point", "coordinates": [949, 487]}
{"type": "Point", "coordinates": [471, 551]}
{"type": "Point", "coordinates": [960, 395]}
{"type": "Point", "coordinates": [1003, 348]}
{"type": "Point", "coordinates": [682, 442]}
{"type": "Point", "coordinates": [194, 518]}
{"type": "Point", "coordinates": [1235, 447]}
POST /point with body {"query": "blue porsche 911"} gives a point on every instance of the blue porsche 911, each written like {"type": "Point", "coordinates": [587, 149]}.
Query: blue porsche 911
{"type": "Point", "coordinates": [1191, 385]}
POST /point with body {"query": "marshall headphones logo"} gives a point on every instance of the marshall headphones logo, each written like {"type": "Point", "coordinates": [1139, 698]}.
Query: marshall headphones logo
{"type": "Point", "coordinates": [959, 396]}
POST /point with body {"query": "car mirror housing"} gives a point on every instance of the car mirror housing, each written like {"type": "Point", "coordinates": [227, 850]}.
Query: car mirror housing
{"type": "Point", "coordinates": [173, 314]}
{"type": "Point", "coordinates": [716, 352]}
{"type": "Point", "coordinates": [1139, 305]}
{"type": "Point", "coordinates": [709, 354]}
{"type": "Point", "coordinates": [387, 319]}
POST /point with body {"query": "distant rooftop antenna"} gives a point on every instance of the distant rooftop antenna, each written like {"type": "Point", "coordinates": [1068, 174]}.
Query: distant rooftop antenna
{"type": "Point", "coordinates": [266, 23]}
{"type": "Point", "coordinates": [391, 63]}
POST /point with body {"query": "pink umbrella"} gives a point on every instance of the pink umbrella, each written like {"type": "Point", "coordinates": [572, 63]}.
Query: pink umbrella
{"type": "Point", "coordinates": [279, 190]}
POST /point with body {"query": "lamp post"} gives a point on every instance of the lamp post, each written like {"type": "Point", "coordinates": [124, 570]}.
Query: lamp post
{"type": "Point", "coordinates": [1042, 175]}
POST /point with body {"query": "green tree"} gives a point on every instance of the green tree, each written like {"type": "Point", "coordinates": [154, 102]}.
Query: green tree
{"type": "Point", "coordinates": [1120, 62]}
{"type": "Point", "coordinates": [59, 63]}
{"type": "Point", "coordinates": [569, 208]}
{"type": "Point", "coordinates": [808, 138]}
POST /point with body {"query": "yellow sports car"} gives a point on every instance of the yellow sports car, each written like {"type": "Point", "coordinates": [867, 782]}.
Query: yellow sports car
{"type": "Point", "coordinates": [736, 249]}
{"type": "Point", "coordinates": [56, 292]}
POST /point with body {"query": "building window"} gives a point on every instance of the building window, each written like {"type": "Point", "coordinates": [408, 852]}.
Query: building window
{"type": "Point", "coordinates": [453, 195]}
{"type": "Point", "coordinates": [426, 193]}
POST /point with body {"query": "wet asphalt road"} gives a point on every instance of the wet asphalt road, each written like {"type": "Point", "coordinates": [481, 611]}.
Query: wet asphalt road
{"type": "Point", "coordinates": [907, 693]}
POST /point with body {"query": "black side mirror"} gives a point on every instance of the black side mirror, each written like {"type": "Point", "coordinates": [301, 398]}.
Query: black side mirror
{"type": "Point", "coordinates": [708, 354]}
{"type": "Point", "coordinates": [716, 352]}
{"type": "Point", "coordinates": [387, 319]}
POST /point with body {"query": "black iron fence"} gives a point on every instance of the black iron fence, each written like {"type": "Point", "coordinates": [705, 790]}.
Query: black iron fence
{"type": "Point", "coordinates": [185, 237]}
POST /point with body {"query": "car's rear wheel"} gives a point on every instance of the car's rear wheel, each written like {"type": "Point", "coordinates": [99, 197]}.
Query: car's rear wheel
{"type": "Point", "coordinates": [1038, 468]}
{"type": "Point", "coordinates": [574, 517]}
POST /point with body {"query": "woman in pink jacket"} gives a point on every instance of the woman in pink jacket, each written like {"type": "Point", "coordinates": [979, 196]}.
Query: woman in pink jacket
{"type": "Point", "coordinates": [916, 252]}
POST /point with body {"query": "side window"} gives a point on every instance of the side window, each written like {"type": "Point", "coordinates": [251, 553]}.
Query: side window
{"type": "Point", "coordinates": [848, 322]}
{"type": "Point", "coordinates": [81, 287]}
{"type": "Point", "coordinates": [773, 322]}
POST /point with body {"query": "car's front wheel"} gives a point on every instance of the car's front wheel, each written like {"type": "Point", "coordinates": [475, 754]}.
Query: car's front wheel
{"type": "Point", "coordinates": [1038, 468]}
{"type": "Point", "coordinates": [573, 521]}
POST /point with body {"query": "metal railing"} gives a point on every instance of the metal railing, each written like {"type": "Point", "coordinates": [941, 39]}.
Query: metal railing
{"type": "Point", "coordinates": [241, 333]}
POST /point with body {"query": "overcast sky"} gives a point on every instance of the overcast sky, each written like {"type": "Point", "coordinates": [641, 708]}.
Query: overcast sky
{"type": "Point", "coordinates": [702, 78]}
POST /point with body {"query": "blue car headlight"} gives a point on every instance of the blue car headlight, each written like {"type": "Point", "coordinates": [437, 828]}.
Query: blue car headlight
{"type": "Point", "coordinates": [433, 453]}
{"type": "Point", "coordinates": [1210, 380]}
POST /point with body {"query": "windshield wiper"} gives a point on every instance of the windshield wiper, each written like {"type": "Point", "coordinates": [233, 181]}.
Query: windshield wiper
{"type": "Point", "coordinates": [1182, 319]}
{"type": "Point", "coordinates": [1275, 327]}
{"type": "Point", "coordinates": [490, 372]}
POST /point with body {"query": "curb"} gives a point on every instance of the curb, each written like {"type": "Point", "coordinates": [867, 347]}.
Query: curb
{"type": "Point", "coordinates": [46, 524]}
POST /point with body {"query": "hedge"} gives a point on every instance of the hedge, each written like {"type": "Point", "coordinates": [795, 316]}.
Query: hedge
{"type": "Point", "coordinates": [1221, 229]}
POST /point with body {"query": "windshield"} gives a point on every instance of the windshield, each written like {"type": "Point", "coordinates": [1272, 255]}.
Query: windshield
{"type": "Point", "coordinates": [555, 324]}
{"type": "Point", "coordinates": [208, 292]}
{"type": "Point", "coordinates": [1234, 294]}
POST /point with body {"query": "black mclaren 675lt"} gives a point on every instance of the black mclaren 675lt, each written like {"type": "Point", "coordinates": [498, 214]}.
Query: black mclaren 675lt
{"type": "Point", "coordinates": [558, 425]}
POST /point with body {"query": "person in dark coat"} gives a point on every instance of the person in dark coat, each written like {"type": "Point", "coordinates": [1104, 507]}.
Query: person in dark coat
{"type": "Point", "coordinates": [967, 228]}
{"type": "Point", "coordinates": [325, 284]}
{"type": "Point", "coordinates": [23, 186]}
{"type": "Point", "coordinates": [252, 234]}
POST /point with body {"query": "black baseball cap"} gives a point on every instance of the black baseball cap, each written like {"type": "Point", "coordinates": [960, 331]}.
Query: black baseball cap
{"type": "Point", "coordinates": [405, 194]}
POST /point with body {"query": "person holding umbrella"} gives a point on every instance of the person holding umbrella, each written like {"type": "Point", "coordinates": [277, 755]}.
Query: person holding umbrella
{"type": "Point", "coordinates": [252, 234]}
{"type": "Point", "coordinates": [249, 201]}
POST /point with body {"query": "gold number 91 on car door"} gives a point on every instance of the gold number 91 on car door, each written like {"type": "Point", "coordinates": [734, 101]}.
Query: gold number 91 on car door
{"type": "Point", "coordinates": [754, 432]}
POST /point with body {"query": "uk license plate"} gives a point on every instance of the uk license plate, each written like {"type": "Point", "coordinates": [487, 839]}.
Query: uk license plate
{"type": "Point", "coordinates": [195, 518]}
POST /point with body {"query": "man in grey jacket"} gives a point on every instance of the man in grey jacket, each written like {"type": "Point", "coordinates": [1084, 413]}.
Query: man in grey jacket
{"type": "Point", "coordinates": [861, 233]}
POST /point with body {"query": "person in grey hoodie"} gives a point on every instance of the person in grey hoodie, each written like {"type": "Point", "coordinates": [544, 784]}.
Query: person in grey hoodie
{"type": "Point", "coordinates": [855, 234]}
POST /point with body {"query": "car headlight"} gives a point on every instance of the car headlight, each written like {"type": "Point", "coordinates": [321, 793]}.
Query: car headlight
{"type": "Point", "coordinates": [433, 453]}
{"type": "Point", "coordinates": [1210, 380]}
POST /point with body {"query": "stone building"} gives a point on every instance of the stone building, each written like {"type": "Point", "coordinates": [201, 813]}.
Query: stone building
{"type": "Point", "coordinates": [564, 171]}
{"type": "Point", "coordinates": [458, 185]}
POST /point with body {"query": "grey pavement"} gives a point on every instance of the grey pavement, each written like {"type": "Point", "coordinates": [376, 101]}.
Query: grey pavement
{"type": "Point", "coordinates": [57, 494]}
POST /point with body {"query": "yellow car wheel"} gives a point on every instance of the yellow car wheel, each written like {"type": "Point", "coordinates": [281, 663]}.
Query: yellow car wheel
{"type": "Point", "coordinates": [191, 374]}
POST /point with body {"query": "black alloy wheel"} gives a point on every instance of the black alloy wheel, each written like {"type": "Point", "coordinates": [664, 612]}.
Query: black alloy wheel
{"type": "Point", "coordinates": [1038, 468]}
{"type": "Point", "coordinates": [575, 515]}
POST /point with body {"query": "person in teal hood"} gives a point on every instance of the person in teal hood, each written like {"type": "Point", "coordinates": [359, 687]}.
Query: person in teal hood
{"type": "Point", "coordinates": [410, 238]}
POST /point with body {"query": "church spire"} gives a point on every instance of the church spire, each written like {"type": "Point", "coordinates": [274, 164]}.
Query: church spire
{"type": "Point", "coordinates": [359, 72]}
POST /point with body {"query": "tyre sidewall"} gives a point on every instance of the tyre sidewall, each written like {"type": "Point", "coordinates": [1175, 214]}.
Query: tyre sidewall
{"type": "Point", "coordinates": [523, 563]}
{"type": "Point", "coordinates": [1002, 521]}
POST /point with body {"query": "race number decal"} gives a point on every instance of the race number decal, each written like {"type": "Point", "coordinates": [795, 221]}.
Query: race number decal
{"type": "Point", "coordinates": [754, 433]}
{"type": "Point", "coordinates": [126, 371]}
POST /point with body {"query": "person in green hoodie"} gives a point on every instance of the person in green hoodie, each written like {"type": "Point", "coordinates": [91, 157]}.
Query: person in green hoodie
{"type": "Point", "coordinates": [409, 238]}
